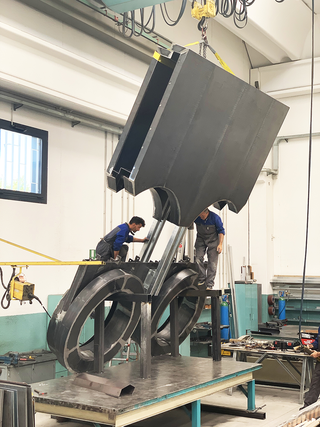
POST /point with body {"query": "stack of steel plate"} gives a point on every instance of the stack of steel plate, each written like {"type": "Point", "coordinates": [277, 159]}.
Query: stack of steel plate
{"type": "Point", "coordinates": [16, 406]}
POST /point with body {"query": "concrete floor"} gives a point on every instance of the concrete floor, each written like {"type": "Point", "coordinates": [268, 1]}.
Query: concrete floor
{"type": "Point", "coordinates": [280, 405]}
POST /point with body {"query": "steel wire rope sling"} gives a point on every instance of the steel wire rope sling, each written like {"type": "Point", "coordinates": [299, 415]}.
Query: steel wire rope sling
{"type": "Point", "coordinates": [309, 167]}
{"type": "Point", "coordinates": [203, 13]}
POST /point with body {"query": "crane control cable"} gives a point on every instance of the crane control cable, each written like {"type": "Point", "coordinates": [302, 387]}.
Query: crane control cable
{"type": "Point", "coordinates": [309, 166]}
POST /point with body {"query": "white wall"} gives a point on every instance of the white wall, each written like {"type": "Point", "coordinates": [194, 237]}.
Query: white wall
{"type": "Point", "coordinates": [70, 223]}
{"type": "Point", "coordinates": [284, 210]}
{"type": "Point", "coordinates": [49, 60]}
{"type": "Point", "coordinates": [52, 61]}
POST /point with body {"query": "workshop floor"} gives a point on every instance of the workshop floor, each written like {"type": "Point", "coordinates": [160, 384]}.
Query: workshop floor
{"type": "Point", "coordinates": [280, 405]}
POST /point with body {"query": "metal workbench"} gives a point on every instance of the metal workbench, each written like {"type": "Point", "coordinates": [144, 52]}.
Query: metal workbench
{"type": "Point", "coordinates": [307, 362]}
{"type": "Point", "coordinates": [174, 382]}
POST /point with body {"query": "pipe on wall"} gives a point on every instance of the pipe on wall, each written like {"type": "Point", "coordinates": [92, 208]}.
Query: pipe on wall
{"type": "Point", "coordinates": [275, 151]}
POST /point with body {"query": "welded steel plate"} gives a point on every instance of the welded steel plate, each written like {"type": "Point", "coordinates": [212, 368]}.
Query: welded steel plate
{"type": "Point", "coordinates": [196, 133]}
{"type": "Point", "coordinates": [170, 377]}
{"type": "Point", "coordinates": [189, 311]}
{"type": "Point", "coordinates": [67, 321]}
{"type": "Point", "coordinates": [94, 284]}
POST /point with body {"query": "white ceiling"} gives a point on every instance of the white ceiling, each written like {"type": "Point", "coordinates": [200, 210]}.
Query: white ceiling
{"type": "Point", "coordinates": [278, 32]}
{"type": "Point", "coordinates": [316, 5]}
{"type": "Point", "coordinates": [275, 32]}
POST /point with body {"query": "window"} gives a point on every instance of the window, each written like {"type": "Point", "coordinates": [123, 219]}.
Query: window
{"type": "Point", "coordinates": [23, 162]}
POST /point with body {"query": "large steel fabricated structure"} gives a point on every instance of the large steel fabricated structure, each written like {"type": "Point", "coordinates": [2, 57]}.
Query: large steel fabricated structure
{"type": "Point", "coordinates": [196, 135]}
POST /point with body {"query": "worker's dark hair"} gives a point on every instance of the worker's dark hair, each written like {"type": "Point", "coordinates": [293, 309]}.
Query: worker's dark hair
{"type": "Point", "coordinates": [137, 220]}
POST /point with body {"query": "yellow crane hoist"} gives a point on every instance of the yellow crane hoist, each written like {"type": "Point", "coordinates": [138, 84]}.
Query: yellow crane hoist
{"type": "Point", "coordinates": [206, 10]}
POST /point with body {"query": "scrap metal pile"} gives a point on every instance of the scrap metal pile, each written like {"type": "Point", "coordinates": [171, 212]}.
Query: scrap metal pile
{"type": "Point", "coordinates": [196, 135]}
{"type": "Point", "coordinates": [308, 417]}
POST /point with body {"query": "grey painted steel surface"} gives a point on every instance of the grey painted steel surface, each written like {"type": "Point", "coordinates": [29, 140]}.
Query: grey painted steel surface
{"type": "Point", "coordinates": [98, 383]}
{"type": "Point", "coordinates": [169, 376]}
{"type": "Point", "coordinates": [66, 324]}
{"type": "Point", "coordinates": [145, 342]}
{"type": "Point", "coordinates": [189, 310]}
{"type": "Point", "coordinates": [93, 284]}
{"type": "Point", "coordinates": [215, 322]}
{"type": "Point", "coordinates": [166, 260]}
{"type": "Point", "coordinates": [196, 135]}
{"type": "Point", "coordinates": [98, 339]}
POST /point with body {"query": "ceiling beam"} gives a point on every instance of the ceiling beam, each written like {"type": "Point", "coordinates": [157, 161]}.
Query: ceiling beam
{"type": "Point", "coordinates": [277, 30]}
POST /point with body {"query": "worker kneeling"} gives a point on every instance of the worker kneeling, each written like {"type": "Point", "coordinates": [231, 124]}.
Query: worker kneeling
{"type": "Point", "coordinates": [112, 245]}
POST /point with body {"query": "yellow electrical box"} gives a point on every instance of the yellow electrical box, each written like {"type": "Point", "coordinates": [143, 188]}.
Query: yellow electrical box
{"type": "Point", "coordinates": [21, 291]}
{"type": "Point", "coordinates": [225, 353]}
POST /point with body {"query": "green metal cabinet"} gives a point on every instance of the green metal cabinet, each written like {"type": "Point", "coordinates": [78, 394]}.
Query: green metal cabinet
{"type": "Point", "coordinates": [247, 307]}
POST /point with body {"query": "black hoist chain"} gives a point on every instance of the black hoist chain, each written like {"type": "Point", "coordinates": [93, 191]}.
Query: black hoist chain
{"type": "Point", "coordinates": [202, 26]}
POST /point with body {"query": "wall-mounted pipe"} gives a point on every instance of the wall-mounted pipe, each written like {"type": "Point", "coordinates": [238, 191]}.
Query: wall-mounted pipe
{"type": "Point", "coordinates": [275, 151]}
{"type": "Point", "coordinates": [60, 112]}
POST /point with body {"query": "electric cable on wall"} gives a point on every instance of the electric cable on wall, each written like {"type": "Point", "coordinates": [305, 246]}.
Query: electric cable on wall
{"type": "Point", "coordinates": [6, 295]}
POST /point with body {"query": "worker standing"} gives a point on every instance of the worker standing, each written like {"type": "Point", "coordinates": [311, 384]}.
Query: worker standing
{"type": "Point", "coordinates": [210, 235]}
{"type": "Point", "coordinates": [314, 390]}
{"type": "Point", "coordinates": [112, 245]}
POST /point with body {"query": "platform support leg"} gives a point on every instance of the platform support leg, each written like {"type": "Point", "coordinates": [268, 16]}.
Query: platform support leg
{"type": "Point", "coordinates": [174, 328]}
{"type": "Point", "coordinates": [251, 395]}
{"type": "Point", "coordinates": [145, 346]}
{"type": "Point", "coordinates": [196, 413]}
{"type": "Point", "coordinates": [215, 320]}
{"type": "Point", "coordinates": [99, 339]}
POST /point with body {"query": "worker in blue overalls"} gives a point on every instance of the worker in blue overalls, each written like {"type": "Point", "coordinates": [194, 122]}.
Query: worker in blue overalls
{"type": "Point", "coordinates": [314, 390]}
{"type": "Point", "coordinates": [112, 245]}
{"type": "Point", "coordinates": [210, 235]}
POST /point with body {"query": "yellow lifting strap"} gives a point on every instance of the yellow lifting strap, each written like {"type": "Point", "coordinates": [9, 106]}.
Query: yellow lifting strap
{"type": "Point", "coordinates": [223, 64]}
{"type": "Point", "coordinates": [163, 60]}
{"type": "Point", "coordinates": [199, 11]}
{"type": "Point", "coordinates": [29, 250]}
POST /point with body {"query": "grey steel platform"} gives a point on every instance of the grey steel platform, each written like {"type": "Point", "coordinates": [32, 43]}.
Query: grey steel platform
{"type": "Point", "coordinates": [174, 382]}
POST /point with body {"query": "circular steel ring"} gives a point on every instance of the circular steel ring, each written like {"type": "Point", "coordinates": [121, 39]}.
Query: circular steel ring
{"type": "Point", "coordinates": [189, 311]}
{"type": "Point", "coordinates": [65, 326]}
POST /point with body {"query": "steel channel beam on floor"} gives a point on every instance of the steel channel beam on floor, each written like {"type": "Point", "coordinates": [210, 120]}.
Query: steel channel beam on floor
{"type": "Point", "coordinates": [233, 411]}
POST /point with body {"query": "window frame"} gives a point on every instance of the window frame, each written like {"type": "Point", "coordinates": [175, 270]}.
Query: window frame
{"type": "Point", "coordinates": [37, 133]}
